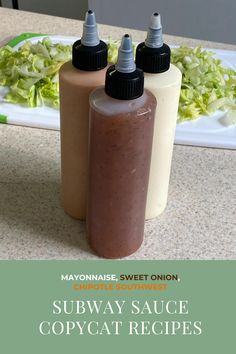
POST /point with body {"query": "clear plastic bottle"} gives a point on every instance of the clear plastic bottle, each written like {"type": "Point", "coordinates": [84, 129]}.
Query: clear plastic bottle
{"type": "Point", "coordinates": [77, 79]}
{"type": "Point", "coordinates": [121, 132]}
{"type": "Point", "coordinates": [164, 81]}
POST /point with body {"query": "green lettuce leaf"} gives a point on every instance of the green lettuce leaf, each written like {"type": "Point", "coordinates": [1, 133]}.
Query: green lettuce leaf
{"type": "Point", "coordinates": [207, 86]}
{"type": "Point", "coordinates": [31, 72]}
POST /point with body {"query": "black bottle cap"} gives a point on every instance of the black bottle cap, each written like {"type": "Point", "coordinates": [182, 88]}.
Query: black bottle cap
{"type": "Point", "coordinates": [153, 60]}
{"type": "Point", "coordinates": [123, 80]}
{"type": "Point", "coordinates": [124, 86]}
{"type": "Point", "coordinates": [89, 58]}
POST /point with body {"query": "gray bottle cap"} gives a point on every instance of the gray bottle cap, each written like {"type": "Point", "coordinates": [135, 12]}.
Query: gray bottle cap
{"type": "Point", "coordinates": [154, 34]}
{"type": "Point", "coordinates": [90, 34]}
{"type": "Point", "coordinates": [125, 62]}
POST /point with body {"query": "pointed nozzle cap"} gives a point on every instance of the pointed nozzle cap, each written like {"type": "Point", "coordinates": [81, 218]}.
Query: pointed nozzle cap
{"type": "Point", "coordinates": [89, 53]}
{"type": "Point", "coordinates": [155, 21]}
{"type": "Point", "coordinates": [153, 56]}
{"type": "Point", "coordinates": [154, 35]}
{"type": "Point", "coordinates": [90, 34]}
{"type": "Point", "coordinates": [125, 62]}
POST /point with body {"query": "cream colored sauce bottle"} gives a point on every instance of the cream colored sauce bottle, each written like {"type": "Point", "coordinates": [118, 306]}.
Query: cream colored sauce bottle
{"type": "Point", "coordinates": [77, 79]}
{"type": "Point", "coordinates": [164, 81]}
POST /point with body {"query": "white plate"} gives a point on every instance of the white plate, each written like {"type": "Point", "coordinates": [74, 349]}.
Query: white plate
{"type": "Point", "coordinates": [205, 131]}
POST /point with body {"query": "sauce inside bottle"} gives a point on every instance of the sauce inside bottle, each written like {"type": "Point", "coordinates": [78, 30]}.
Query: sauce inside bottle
{"type": "Point", "coordinates": [121, 132]}
{"type": "Point", "coordinates": [164, 81]}
{"type": "Point", "coordinates": [77, 79]}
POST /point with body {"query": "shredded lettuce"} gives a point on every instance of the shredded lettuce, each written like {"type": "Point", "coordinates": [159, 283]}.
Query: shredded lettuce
{"type": "Point", "coordinates": [31, 72]}
{"type": "Point", "coordinates": [113, 50]}
{"type": "Point", "coordinates": [207, 86]}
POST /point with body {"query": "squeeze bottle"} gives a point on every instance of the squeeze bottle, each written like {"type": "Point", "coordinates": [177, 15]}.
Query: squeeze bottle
{"type": "Point", "coordinates": [121, 132]}
{"type": "Point", "coordinates": [77, 78]}
{"type": "Point", "coordinates": [164, 81]}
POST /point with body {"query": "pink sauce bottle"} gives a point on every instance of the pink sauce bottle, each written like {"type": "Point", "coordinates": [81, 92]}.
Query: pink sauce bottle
{"type": "Point", "coordinates": [121, 133]}
{"type": "Point", "coordinates": [77, 79]}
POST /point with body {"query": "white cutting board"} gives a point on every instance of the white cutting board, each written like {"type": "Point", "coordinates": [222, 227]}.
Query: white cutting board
{"type": "Point", "coordinates": [205, 131]}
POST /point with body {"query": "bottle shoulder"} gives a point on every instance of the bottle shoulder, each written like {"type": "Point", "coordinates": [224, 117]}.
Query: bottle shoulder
{"type": "Point", "coordinates": [75, 76]}
{"type": "Point", "coordinates": [171, 77]}
{"type": "Point", "coordinates": [101, 102]}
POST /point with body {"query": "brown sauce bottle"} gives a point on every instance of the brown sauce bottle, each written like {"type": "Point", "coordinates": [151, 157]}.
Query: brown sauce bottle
{"type": "Point", "coordinates": [121, 133]}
